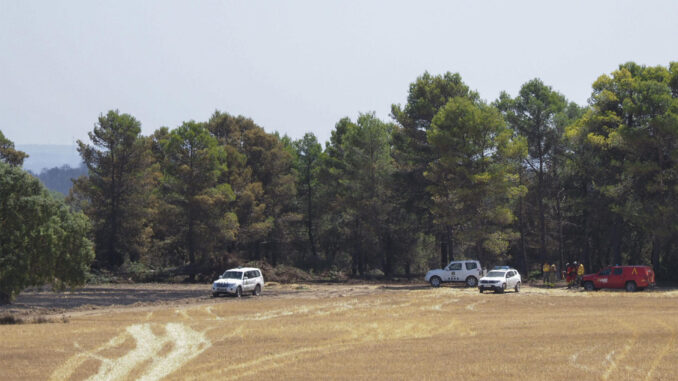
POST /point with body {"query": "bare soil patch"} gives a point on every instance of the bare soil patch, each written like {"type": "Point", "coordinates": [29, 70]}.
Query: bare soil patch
{"type": "Point", "coordinates": [105, 298]}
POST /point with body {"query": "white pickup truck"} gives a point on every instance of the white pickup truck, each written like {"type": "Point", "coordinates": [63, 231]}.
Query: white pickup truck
{"type": "Point", "coordinates": [467, 271]}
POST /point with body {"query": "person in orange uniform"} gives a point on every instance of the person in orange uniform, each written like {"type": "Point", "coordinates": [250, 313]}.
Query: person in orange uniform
{"type": "Point", "coordinates": [570, 275]}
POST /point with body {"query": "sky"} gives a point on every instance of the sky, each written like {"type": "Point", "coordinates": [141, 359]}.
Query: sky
{"type": "Point", "coordinates": [298, 66]}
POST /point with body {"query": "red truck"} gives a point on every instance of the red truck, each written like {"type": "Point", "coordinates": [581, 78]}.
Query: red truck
{"type": "Point", "coordinates": [631, 278]}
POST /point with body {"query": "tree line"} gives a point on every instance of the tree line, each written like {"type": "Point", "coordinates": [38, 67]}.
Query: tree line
{"type": "Point", "coordinates": [520, 180]}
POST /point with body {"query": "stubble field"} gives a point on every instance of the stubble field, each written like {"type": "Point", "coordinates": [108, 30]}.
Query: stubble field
{"type": "Point", "coordinates": [348, 332]}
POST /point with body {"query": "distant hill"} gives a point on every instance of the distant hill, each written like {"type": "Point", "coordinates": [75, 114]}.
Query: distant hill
{"type": "Point", "coordinates": [60, 178]}
{"type": "Point", "coordinates": [45, 156]}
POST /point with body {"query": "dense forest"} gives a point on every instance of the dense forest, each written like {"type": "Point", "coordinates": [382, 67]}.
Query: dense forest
{"type": "Point", "coordinates": [519, 180]}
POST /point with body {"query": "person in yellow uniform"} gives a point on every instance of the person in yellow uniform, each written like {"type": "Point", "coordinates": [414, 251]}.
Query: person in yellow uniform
{"type": "Point", "coordinates": [553, 273]}
{"type": "Point", "coordinates": [546, 269]}
{"type": "Point", "coordinates": [580, 273]}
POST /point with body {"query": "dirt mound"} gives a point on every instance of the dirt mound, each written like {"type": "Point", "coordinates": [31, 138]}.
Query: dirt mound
{"type": "Point", "coordinates": [282, 273]}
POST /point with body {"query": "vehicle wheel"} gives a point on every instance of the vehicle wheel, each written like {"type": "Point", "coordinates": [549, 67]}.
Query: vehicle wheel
{"type": "Point", "coordinates": [588, 286]}
{"type": "Point", "coordinates": [480, 289]}
{"type": "Point", "coordinates": [215, 294]}
{"type": "Point", "coordinates": [471, 281]}
{"type": "Point", "coordinates": [238, 292]}
{"type": "Point", "coordinates": [631, 286]}
{"type": "Point", "coordinates": [435, 281]}
{"type": "Point", "coordinates": [502, 289]}
{"type": "Point", "coordinates": [257, 291]}
{"type": "Point", "coordinates": [517, 288]}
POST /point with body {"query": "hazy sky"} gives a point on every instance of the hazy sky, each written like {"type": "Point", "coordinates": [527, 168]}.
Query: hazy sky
{"type": "Point", "coordinates": [298, 66]}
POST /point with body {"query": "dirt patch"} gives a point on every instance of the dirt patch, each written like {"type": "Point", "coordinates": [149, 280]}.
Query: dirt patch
{"type": "Point", "coordinates": [96, 299]}
{"type": "Point", "coordinates": [39, 305]}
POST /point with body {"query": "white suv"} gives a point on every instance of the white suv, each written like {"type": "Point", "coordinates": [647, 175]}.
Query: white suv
{"type": "Point", "coordinates": [500, 279]}
{"type": "Point", "coordinates": [237, 281]}
{"type": "Point", "coordinates": [457, 271]}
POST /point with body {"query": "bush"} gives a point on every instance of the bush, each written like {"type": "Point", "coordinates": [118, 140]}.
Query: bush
{"type": "Point", "coordinates": [534, 275]}
{"type": "Point", "coordinates": [41, 240]}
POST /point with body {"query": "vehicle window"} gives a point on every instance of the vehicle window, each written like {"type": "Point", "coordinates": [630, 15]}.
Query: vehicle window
{"type": "Point", "coordinates": [509, 274]}
{"type": "Point", "coordinates": [257, 273]}
{"type": "Point", "coordinates": [232, 275]}
{"type": "Point", "coordinates": [494, 274]}
{"type": "Point", "coordinates": [471, 265]}
{"type": "Point", "coordinates": [617, 271]}
{"type": "Point", "coordinates": [455, 266]}
{"type": "Point", "coordinates": [605, 272]}
{"type": "Point", "coordinates": [250, 274]}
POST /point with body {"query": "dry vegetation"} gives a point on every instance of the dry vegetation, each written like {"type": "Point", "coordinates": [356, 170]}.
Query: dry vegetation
{"type": "Point", "coordinates": [359, 332]}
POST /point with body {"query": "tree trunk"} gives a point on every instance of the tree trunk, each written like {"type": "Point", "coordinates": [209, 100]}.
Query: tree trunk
{"type": "Point", "coordinates": [656, 247]}
{"type": "Point", "coordinates": [443, 251]}
{"type": "Point", "coordinates": [587, 240]}
{"type": "Point", "coordinates": [616, 241]}
{"type": "Point", "coordinates": [521, 227]}
{"type": "Point", "coordinates": [310, 215]}
{"type": "Point", "coordinates": [523, 251]}
{"type": "Point", "coordinates": [111, 257]}
{"type": "Point", "coordinates": [561, 245]}
{"type": "Point", "coordinates": [387, 261]}
{"type": "Point", "coordinates": [191, 245]}
{"type": "Point", "coordinates": [542, 214]}
{"type": "Point", "coordinates": [450, 243]}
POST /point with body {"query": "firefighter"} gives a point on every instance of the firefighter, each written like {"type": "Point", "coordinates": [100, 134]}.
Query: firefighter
{"type": "Point", "coordinates": [546, 269]}
{"type": "Point", "coordinates": [580, 273]}
{"type": "Point", "coordinates": [553, 273]}
{"type": "Point", "coordinates": [570, 274]}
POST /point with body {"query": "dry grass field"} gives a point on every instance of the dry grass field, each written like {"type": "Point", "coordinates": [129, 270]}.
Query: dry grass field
{"type": "Point", "coordinates": [358, 332]}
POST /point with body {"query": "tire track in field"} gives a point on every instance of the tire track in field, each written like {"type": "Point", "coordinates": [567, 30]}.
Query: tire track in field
{"type": "Point", "coordinates": [150, 353]}
{"type": "Point", "coordinates": [65, 371]}
{"type": "Point", "coordinates": [610, 358]}
{"type": "Point", "coordinates": [574, 359]}
{"type": "Point", "coordinates": [356, 336]}
{"type": "Point", "coordinates": [472, 306]}
{"type": "Point", "coordinates": [664, 351]}
{"type": "Point", "coordinates": [317, 310]}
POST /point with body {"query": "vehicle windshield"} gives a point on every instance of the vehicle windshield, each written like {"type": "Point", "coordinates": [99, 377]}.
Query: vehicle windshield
{"type": "Point", "coordinates": [232, 275]}
{"type": "Point", "coordinates": [496, 274]}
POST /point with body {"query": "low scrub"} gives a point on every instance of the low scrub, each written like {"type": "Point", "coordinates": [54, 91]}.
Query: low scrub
{"type": "Point", "coordinates": [11, 319]}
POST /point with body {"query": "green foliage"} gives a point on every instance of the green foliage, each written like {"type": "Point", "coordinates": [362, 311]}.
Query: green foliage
{"type": "Point", "coordinates": [10, 155]}
{"type": "Point", "coordinates": [413, 152]}
{"type": "Point", "coordinates": [196, 199]}
{"type": "Point", "coordinates": [632, 130]}
{"type": "Point", "coordinates": [115, 195]}
{"type": "Point", "coordinates": [360, 226]}
{"type": "Point", "coordinates": [262, 174]}
{"type": "Point", "coordinates": [473, 182]}
{"type": "Point", "coordinates": [308, 155]}
{"type": "Point", "coordinates": [526, 179]}
{"type": "Point", "coordinates": [41, 240]}
{"type": "Point", "coordinates": [539, 115]}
